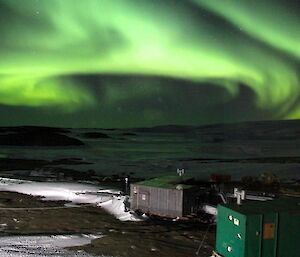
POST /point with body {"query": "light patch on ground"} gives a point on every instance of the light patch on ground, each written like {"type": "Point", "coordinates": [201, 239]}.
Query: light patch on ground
{"type": "Point", "coordinates": [77, 193]}
{"type": "Point", "coordinates": [44, 246]}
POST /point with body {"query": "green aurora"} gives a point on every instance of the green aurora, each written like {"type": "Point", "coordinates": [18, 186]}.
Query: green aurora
{"type": "Point", "coordinates": [128, 63]}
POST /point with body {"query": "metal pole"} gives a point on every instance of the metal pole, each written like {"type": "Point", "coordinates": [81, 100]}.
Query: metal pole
{"type": "Point", "coordinates": [202, 241]}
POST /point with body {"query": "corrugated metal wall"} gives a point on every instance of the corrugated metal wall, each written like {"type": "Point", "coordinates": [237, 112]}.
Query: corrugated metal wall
{"type": "Point", "coordinates": [159, 201]}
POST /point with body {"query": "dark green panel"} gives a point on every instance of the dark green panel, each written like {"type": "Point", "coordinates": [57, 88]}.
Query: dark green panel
{"type": "Point", "coordinates": [266, 229]}
{"type": "Point", "coordinates": [230, 232]}
{"type": "Point", "coordinates": [289, 234]}
{"type": "Point", "coordinates": [253, 236]}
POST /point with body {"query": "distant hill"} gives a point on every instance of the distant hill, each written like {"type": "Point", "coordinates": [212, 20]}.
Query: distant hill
{"type": "Point", "coordinates": [36, 136]}
{"type": "Point", "coordinates": [279, 130]}
{"type": "Point", "coordinates": [257, 130]}
{"type": "Point", "coordinates": [166, 129]}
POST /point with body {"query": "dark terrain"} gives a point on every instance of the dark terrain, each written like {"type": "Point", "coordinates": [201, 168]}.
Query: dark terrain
{"type": "Point", "coordinates": [126, 239]}
{"type": "Point", "coordinates": [245, 151]}
{"type": "Point", "coordinates": [36, 136]}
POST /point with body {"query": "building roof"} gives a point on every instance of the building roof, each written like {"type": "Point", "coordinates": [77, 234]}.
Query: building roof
{"type": "Point", "coordinates": [169, 182]}
{"type": "Point", "coordinates": [281, 204]}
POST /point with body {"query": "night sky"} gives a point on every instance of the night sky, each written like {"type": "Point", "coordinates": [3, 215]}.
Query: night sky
{"type": "Point", "coordinates": [133, 63]}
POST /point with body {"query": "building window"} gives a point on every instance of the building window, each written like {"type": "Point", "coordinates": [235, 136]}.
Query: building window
{"type": "Point", "coordinates": [143, 197]}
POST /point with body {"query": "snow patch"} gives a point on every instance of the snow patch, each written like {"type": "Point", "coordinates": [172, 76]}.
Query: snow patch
{"type": "Point", "coordinates": [117, 207]}
{"type": "Point", "coordinates": [76, 193]}
{"type": "Point", "coordinates": [44, 246]}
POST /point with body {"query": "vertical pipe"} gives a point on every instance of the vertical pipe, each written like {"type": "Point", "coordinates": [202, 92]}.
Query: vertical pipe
{"type": "Point", "coordinates": [168, 208]}
{"type": "Point", "coordinates": [137, 197]}
{"type": "Point", "coordinates": [126, 186]}
{"type": "Point", "coordinates": [276, 234]}
{"type": "Point", "coordinates": [239, 199]}
{"type": "Point", "coordinates": [260, 236]}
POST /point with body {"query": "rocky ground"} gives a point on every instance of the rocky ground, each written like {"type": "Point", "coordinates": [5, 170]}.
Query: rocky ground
{"type": "Point", "coordinates": [148, 238]}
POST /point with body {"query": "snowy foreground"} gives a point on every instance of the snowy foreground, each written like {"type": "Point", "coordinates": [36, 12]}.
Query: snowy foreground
{"type": "Point", "coordinates": [76, 193]}
{"type": "Point", "coordinates": [43, 246]}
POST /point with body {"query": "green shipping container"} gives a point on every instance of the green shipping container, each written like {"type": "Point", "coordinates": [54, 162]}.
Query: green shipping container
{"type": "Point", "coordinates": [259, 229]}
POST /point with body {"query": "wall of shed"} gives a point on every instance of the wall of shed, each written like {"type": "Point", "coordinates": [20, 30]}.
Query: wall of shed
{"type": "Point", "coordinates": [158, 201]}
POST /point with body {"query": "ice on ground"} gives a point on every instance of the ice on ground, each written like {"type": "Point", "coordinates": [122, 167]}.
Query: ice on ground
{"type": "Point", "coordinates": [209, 209]}
{"type": "Point", "coordinates": [11, 181]}
{"type": "Point", "coordinates": [117, 207]}
{"type": "Point", "coordinates": [76, 193]}
{"type": "Point", "coordinates": [73, 192]}
{"type": "Point", "coordinates": [44, 246]}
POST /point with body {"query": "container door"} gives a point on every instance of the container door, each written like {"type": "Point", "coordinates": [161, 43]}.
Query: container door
{"type": "Point", "coordinates": [231, 233]}
{"type": "Point", "coordinates": [269, 236]}
{"type": "Point", "coordinates": [144, 200]}
{"type": "Point", "coordinates": [254, 236]}
{"type": "Point", "coordinates": [288, 240]}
